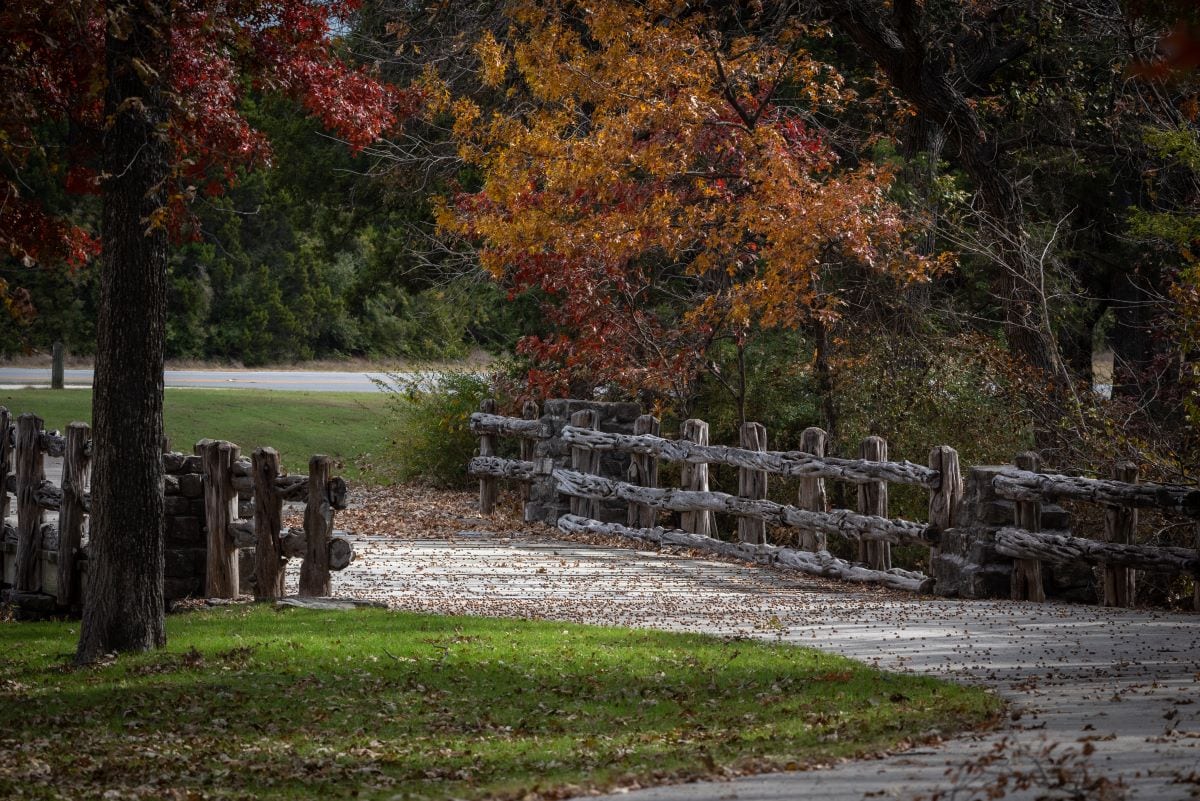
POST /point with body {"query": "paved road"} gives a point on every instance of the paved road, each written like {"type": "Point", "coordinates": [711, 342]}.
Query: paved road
{"type": "Point", "coordinates": [312, 381]}
{"type": "Point", "coordinates": [1122, 682]}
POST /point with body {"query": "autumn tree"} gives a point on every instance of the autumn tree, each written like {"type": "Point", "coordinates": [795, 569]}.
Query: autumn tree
{"type": "Point", "coordinates": [139, 102]}
{"type": "Point", "coordinates": [661, 184]}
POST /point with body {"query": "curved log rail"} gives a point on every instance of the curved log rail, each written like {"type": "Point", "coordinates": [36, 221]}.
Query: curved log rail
{"type": "Point", "coordinates": [841, 522]}
{"type": "Point", "coordinates": [821, 563]}
{"type": "Point", "coordinates": [786, 463]}
{"type": "Point", "coordinates": [1021, 485]}
{"type": "Point", "coordinates": [1061, 547]}
{"type": "Point", "coordinates": [484, 423]}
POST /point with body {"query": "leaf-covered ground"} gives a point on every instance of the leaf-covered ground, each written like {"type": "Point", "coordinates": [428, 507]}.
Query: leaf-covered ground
{"type": "Point", "coordinates": [250, 702]}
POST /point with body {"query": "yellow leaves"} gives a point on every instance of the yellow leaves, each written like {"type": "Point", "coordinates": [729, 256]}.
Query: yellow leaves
{"type": "Point", "coordinates": [434, 91]}
{"type": "Point", "coordinates": [493, 60]}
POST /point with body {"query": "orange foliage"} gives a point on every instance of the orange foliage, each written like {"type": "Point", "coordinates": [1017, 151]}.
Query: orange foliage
{"type": "Point", "coordinates": [663, 185]}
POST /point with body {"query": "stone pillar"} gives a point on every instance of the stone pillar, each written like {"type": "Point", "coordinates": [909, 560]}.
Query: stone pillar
{"type": "Point", "coordinates": [545, 504]}
{"type": "Point", "coordinates": [968, 565]}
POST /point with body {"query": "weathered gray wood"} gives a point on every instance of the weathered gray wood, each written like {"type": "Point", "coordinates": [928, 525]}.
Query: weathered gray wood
{"type": "Point", "coordinates": [221, 578]}
{"type": "Point", "coordinates": [584, 460]}
{"type": "Point", "coordinates": [841, 522]}
{"type": "Point", "coordinates": [643, 471]}
{"type": "Point", "coordinates": [488, 488]}
{"type": "Point", "coordinates": [1023, 485]}
{"type": "Point", "coordinates": [76, 466]}
{"type": "Point", "coordinates": [1120, 526]}
{"type": "Point", "coordinates": [786, 463]}
{"type": "Point", "coordinates": [817, 564]}
{"type": "Point", "coordinates": [529, 411]}
{"type": "Point", "coordinates": [318, 527]}
{"type": "Point", "coordinates": [1026, 584]}
{"type": "Point", "coordinates": [811, 495]}
{"type": "Point", "coordinates": [752, 484]}
{"type": "Point", "coordinates": [289, 488]}
{"type": "Point", "coordinates": [873, 500]}
{"type": "Point", "coordinates": [49, 496]}
{"type": "Point", "coordinates": [693, 477]}
{"type": "Point", "coordinates": [6, 458]}
{"type": "Point", "coordinates": [341, 553]}
{"type": "Point", "coordinates": [53, 443]}
{"type": "Point", "coordinates": [1062, 548]}
{"type": "Point", "coordinates": [488, 422]}
{"type": "Point", "coordinates": [496, 467]}
{"type": "Point", "coordinates": [269, 561]}
{"type": "Point", "coordinates": [30, 475]}
{"type": "Point", "coordinates": [944, 500]}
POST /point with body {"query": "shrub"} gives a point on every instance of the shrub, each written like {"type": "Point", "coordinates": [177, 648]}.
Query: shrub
{"type": "Point", "coordinates": [430, 423]}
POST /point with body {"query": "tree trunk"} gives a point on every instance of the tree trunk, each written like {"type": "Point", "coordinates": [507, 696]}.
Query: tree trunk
{"type": "Point", "coordinates": [123, 607]}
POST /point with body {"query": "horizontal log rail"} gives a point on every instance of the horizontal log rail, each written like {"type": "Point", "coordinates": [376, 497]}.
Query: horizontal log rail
{"type": "Point", "coordinates": [49, 496]}
{"type": "Point", "coordinates": [821, 563]}
{"type": "Point", "coordinates": [786, 463]}
{"type": "Point", "coordinates": [1020, 485]}
{"type": "Point", "coordinates": [484, 423]}
{"type": "Point", "coordinates": [294, 542]}
{"type": "Point", "coordinates": [1061, 547]}
{"type": "Point", "coordinates": [842, 522]}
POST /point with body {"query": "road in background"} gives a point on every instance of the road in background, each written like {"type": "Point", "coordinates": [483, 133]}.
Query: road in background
{"type": "Point", "coordinates": [297, 380]}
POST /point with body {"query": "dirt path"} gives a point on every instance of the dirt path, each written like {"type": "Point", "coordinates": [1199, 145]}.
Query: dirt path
{"type": "Point", "coordinates": [1124, 683]}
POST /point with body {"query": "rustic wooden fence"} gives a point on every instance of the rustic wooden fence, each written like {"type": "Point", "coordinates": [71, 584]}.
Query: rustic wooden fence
{"type": "Point", "coordinates": [868, 526]}
{"type": "Point", "coordinates": [42, 564]}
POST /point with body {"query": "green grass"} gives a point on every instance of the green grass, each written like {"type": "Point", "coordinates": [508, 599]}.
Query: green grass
{"type": "Point", "coordinates": [253, 703]}
{"type": "Point", "coordinates": [348, 426]}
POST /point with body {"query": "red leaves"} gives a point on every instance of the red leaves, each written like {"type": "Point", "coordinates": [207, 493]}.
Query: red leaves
{"type": "Point", "coordinates": [51, 68]}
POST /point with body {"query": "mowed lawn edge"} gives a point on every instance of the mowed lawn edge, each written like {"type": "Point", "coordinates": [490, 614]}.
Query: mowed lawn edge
{"type": "Point", "coordinates": [351, 427]}
{"type": "Point", "coordinates": [251, 702]}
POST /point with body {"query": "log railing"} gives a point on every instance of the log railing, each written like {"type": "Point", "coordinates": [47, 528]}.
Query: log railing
{"type": "Point", "coordinates": [870, 526]}
{"type": "Point", "coordinates": [42, 564]}
{"type": "Point", "coordinates": [698, 506]}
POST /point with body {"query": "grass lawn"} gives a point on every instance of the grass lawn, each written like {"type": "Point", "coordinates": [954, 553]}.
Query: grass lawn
{"type": "Point", "coordinates": [348, 426]}
{"type": "Point", "coordinates": [254, 703]}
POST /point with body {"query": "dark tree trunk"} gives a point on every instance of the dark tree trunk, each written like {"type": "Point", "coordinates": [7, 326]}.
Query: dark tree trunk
{"type": "Point", "coordinates": [123, 609]}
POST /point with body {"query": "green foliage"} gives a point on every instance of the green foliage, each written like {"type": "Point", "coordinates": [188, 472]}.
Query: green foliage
{"type": "Point", "coordinates": [254, 703]}
{"type": "Point", "coordinates": [430, 424]}
{"type": "Point", "coordinates": [917, 395]}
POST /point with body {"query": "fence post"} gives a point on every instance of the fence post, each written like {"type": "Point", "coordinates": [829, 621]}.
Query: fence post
{"type": "Point", "coordinates": [318, 525]}
{"type": "Point", "coordinates": [6, 450]}
{"type": "Point", "coordinates": [529, 411]}
{"type": "Point", "coordinates": [1195, 578]}
{"type": "Point", "coordinates": [643, 471]}
{"type": "Point", "coordinates": [220, 509]}
{"type": "Point", "coordinates": [30, 473]}
{"type": "Point", "coordinates": [943, 501]}
{"type": "Point", "coordinates": [1027, 573]}
{"type": "Point", "coordinates": [488, 487]}
{"type": "Point", "coordinates": [584, 460]}
{"type": "Point", "coordinates": [1120, 525]}
{"type": "Point", "coordinates": [694, 477]}
{"type": "Point", "coordinates": [812, 491]}
{"type": "Point", "coordinates": [268, 519]}
{"type": "Point", "coordinates": [873, 500]}
{"type": "Point", "coordinates": [752, 484]}
{"type": "Point", "coordinates": [76, 464]}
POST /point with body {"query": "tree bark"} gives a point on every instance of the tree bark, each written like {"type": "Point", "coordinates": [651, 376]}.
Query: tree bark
{"type": "Point", "coordinates": [123, 607]}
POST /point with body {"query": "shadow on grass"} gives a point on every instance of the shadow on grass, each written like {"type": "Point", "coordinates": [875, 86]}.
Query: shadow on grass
{"type": "Point", "coordinates": [254, 703]}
